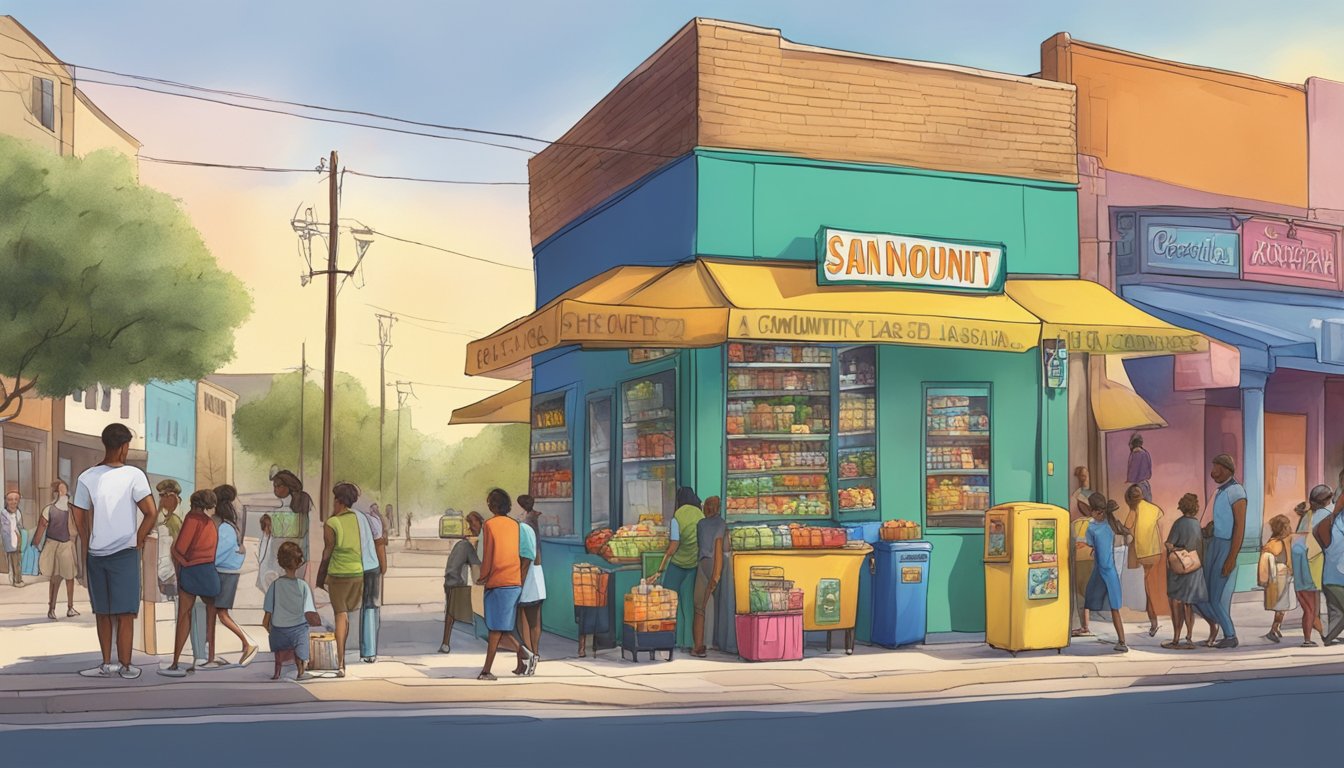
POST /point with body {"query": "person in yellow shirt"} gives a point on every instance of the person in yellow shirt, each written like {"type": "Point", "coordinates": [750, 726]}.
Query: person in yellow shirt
{"type": "Point", "coordinates": [1082, 553]}
{"type": "Point", "coordinates": [1146, 549]}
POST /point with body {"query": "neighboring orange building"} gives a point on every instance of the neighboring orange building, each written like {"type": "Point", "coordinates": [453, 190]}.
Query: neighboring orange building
{"type": "Point", "coordinates": [1193, 205]}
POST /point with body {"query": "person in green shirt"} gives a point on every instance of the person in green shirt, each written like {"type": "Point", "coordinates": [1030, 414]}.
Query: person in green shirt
{"type": "Point", "coordinates": [682, 559]}
{"type": "Point", "coordinates": [342, 571]}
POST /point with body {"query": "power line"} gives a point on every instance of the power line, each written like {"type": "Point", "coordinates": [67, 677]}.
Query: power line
{"type": "Point", "coordinates": [449, 251]}
{"type": "Point", "coordinates": [336, 110]}
{"type": "Point", "coordinates": [439, 181]}
{"type": "Point", "coordinates": [270, 169]}
{"type": "Point", "coordinates": [314, 118]}
{"type": "Point", "coordinates": [413, 317]}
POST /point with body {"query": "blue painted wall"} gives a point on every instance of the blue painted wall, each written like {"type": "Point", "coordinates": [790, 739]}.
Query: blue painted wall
{"type": "Point", "coordinates": [170, 431]}
{"type": "Point", "coordinates": [651, 222]}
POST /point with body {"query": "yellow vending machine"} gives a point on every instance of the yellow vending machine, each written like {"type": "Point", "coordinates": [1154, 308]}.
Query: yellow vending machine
{"type": "Point", "coordinates": [1026, 577]}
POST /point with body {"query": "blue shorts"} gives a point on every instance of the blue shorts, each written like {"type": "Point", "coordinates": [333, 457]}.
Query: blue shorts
{"type": "Point", "coordinates": [114, 582]}
{"type": "Point", "coordinates": [199, 580]}
{"type": "Point", "coordinates": [501, 608]}
{"type": "Point", "coordinates": [290, 639]}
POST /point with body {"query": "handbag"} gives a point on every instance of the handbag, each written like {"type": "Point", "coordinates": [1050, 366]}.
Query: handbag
{"type": "Point", "coordinates": [1183, 561]}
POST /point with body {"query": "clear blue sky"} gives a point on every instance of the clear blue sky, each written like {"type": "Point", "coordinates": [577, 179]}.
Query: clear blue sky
{"type": "Point", "coordinates": [530, 68]}
{"type": "Point", "coordinates": [534, 67]}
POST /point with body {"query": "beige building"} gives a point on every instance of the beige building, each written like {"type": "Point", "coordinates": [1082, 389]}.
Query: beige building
{"type": "Point", "coordinates": [215, 406]}
{"type": "Point", "coordinates": [40, 103]}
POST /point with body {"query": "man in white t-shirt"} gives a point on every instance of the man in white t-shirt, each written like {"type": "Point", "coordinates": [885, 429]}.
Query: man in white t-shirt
{"type": "Point", "coordinates": [107, 499]}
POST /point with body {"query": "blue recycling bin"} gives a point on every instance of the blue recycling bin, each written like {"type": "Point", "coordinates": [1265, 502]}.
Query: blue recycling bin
{"type": "Point", "coordinates": [900, 592]}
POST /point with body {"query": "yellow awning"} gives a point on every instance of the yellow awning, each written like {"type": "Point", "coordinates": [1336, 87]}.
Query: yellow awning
{"type": "Point", "coordinates": [704, 303]}
{"type": "Point", "coordinates": [1093, 320]}
{"type": "Point", "coordinates": [1115, 404]}
{"type": "Point", "coordinates": [512, 406]}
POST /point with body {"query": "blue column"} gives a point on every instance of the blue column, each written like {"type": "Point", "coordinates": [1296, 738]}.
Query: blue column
{"type": "Point", "coordinates": [1252, 470]}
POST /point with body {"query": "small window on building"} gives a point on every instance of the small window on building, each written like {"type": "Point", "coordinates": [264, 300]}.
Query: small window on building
{"type": "Point", "coordinates": [91, 397]}
{"type": "Point", "coordinates": [107, 399]}
{"type": "Point", "coordinates": [157, 437]}
{"type": "Point", "coordinates": [175, 432]}
{"type": "Point", "coordinates": [126, 403]}
{"type": "Point", "coordinates": [78, 395]}
{"type": "Point", "coordinates": [44, 102]}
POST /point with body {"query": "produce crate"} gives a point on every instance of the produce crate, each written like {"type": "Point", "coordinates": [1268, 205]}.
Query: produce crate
{"type": "Point", "coordinates": [590, 586]}
{"type": "Point", "coordinates": [636, 642]}
{"type": "Point", "coordinates": [904, 533]}
{"type": "Point", "coordinates": [633, 547]}
{"type": "Point", "coordinates": [655, 625]}
{"type": "Point", "coordinates": [834, 538]}
{"type": "Point", "coordinates": [286, 525]}
{"type": "Point", "coordinates": [322, 651]}
{"type": "Point", "coordinates": [807, 538]}
{"type": "Point", "coordinates": [646, 603]}
{"type": "Point", "coordinates": [452, 527]}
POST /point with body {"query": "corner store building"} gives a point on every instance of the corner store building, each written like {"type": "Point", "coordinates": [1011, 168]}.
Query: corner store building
{"type": "Point", "coordinates": [740, 148]}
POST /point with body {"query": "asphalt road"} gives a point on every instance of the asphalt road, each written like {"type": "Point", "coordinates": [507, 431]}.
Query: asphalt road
{"type": "Point", "coordinates": [1260, 722]}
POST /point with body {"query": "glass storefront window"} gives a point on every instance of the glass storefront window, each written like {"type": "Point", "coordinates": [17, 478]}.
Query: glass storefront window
{"type": "Point", "coordinates": [856, 431]}
{"type": "Point", "coordinates": [649, 449]}
{"type": "Point", "coordinates": [779, 430]}
{"type": "Point", "coordinates": [599, 462]}
{"type": "Point", "coordinates": [551, 480]}
{"type": "Point", "coordinates": [956, 457]}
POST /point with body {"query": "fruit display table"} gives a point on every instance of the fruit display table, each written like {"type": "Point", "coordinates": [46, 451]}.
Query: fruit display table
{"type": "Point", "coordinates": [829, 579]}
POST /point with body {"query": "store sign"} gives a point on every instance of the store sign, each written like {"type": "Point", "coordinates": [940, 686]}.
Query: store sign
{"type": "Point", "coordinates": [776, 325]}
{"type": "Point", "coordinates": [593, 325]}
{"type": "Point", "coordinates": [1278, 252]}
{"type": "Point", "coordinates": [1171, 248]}
{"type": "Point", "coordinates": [861, 258]}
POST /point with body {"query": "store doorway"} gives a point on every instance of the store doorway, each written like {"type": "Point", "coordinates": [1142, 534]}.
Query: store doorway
{"type": "Point", "coordinates": [1285, 466]}
{"type": "Point", "coordinates": [21, 478]}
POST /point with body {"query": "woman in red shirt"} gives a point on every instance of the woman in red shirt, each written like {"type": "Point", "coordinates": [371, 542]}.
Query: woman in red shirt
{"type": "Point", "coordinates": [194, 555]}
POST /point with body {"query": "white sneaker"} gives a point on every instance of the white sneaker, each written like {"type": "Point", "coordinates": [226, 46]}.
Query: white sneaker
{"type": "Point", "coordinates": [129, 673]}
{"type": "Point", "coordinates": [445, 648]}
{"type": "Point", "coordinates": [102, 670]}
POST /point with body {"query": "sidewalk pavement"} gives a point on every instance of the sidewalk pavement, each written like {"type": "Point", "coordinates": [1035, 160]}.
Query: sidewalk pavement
{"type": "Point", "coordinates": [39, 660]}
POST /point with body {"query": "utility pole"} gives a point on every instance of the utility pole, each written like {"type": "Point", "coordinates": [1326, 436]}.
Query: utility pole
{"type": "Point", "coordinates": [303, 384]}
{"type": "Point", "coordinates": [402, 394]}
{"type": "Point", "coordinates": [385, 321]}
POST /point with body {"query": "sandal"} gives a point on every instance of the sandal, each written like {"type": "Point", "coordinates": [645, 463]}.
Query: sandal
{"type": "Point", "coordinates": [1152, 632]}
{"type": "Point", "coordinates": [1080, 633]}
{"type": "Point", "coordinates": [1172, 645]}
{"type": "Point", "coordinates": [51, 614]}
{"type": "Point", "coordinates": [699, 653]}
{"type": "Point", "coordinates": [216, 664]}
{"type": "Point", "coordinates": [1187, 645]}
{"type": "Point", "coordinates": [71, 613]}
{"type": "Point", "coordinates": [1308, 643]}
{"type": "Point", "coordinates": [486, 676]}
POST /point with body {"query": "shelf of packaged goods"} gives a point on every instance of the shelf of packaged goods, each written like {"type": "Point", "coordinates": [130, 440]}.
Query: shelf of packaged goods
{"type": "Point", "coordinates": [742, 393]}
{"type": "Point", "coordinates": [630, 422]}
{"type": "Point", "coordinates": [536, 456]}
{"type": "Point", "coordinates": [780, 471]}
{"type": "Point", "coordinates": [865, 478]}
{"type": "Point", "coordinates": [814, 492]}
{"type": "Point", "coordinates": [547, 430]}
{"type": "Point", "coordinates": [778, 365]}
{"type": "Point", "coordinates": [862, 433]}
{"type": "Point", "coordinates": [785, 436]}
{"type": "Point", "coordinates": [956, 472]}
{"type": "Point", "coordinates": [757, 517]}
{"type": "Point", "coordinates": [649, 459]}
{"type": "Point", "coordinates": [847, 510]}
{"type": "Point", "coordinates": [857, 387]}
{"type": "Point", "coordinates": [961, 435]}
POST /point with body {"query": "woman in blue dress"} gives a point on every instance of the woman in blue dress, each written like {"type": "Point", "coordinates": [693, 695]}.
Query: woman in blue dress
{"type": "Point", "coordinates": [1103, 587]}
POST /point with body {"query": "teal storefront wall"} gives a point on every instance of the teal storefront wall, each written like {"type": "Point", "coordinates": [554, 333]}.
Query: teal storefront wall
{"type": "Point", "coordinates": [170, 432]}
{"type": "Point", "coordinates": [757, 206]}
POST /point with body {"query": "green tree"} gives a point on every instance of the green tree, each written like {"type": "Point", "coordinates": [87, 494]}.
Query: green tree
{"type": "Point", "coordinates": [434, 474]}
{"type": "Point", "coordinates": [104, 280]}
